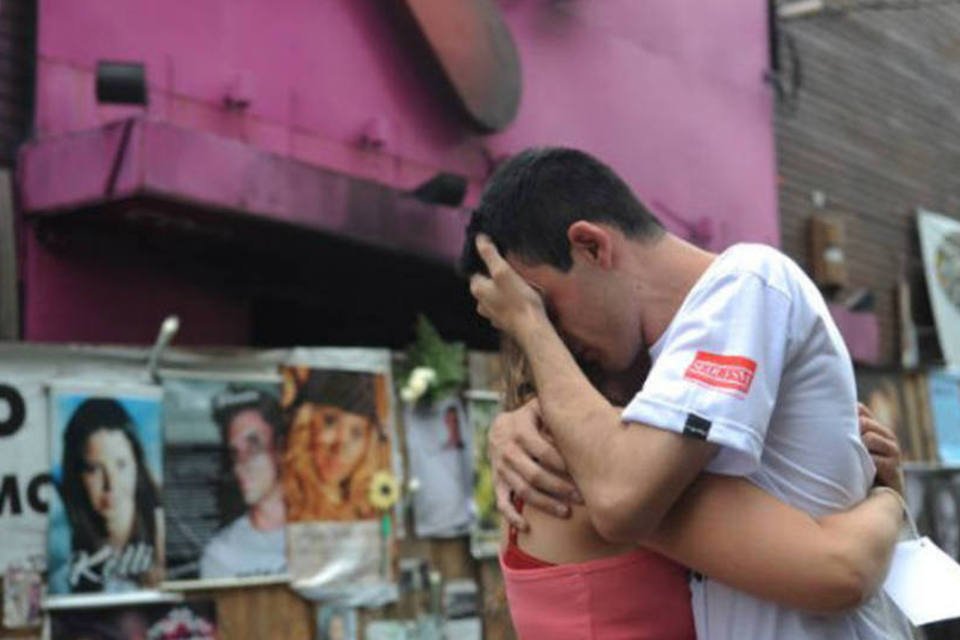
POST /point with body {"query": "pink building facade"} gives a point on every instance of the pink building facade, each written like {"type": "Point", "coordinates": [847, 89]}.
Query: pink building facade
{"type": "Point", "coordinates": [277, 131]}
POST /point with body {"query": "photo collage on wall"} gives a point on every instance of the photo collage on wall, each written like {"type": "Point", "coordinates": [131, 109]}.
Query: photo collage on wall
{"type": "Point", "coordinates": [227, 470]}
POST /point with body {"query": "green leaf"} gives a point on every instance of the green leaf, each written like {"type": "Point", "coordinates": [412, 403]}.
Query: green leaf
{"type": "Point", "coordinates": [447, 359]}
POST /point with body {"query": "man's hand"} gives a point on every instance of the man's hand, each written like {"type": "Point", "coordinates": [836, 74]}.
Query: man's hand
{"type": "Point", "coordinates": [882, 444]}
{"type": "Point", "coordinates": [504, 298]}
{"type": "Point", "coordinates": [526, 463]}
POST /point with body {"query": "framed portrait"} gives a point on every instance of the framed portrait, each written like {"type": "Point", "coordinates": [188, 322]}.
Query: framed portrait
{"type": "Point", "coordinates": [224, 439]}
{"type": "Point", "coordinates": [106, 526]}
{"type": "Point", "coordinates": [440, 457]}
{"type": "Point", "coordinates": [339, 475]}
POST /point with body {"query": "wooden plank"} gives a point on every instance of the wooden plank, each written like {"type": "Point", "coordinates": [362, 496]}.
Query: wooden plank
{"type": "Point", "coordinates": [262, 612]}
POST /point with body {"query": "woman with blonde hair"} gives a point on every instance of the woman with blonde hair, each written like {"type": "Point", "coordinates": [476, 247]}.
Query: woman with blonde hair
{"type": "Point", "coordinates": [563, 580]}
{"type": "Point", "coordinates": [336, 444]}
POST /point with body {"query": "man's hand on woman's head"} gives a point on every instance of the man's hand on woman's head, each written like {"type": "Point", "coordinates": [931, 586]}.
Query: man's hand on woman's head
{"type": "Point", "coordinates": [882, 444]}
{"type": "Point", "coordinates": [526, 464]}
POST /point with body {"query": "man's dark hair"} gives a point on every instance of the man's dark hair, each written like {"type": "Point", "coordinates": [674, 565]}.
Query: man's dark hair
{"type": "Point", "coordinates": [532, 199]}
{"type": "Point", "coordinates": [233, 400]}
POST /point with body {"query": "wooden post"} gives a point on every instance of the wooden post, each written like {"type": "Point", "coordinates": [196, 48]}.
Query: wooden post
{"type": "Point", "coordinates": [9, 282]}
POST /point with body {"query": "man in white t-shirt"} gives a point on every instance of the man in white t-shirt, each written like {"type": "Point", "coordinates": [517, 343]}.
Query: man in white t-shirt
{"type": "Point", "coordinates": [749, 377]}
{"type": "Point", "coordinates": [253, 544]}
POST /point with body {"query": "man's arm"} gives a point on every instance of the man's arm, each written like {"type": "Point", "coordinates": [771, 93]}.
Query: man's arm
{"type": "Point", "coordinates": [628, 476]}
{"type": "Point", "coordinates": [732, 531]}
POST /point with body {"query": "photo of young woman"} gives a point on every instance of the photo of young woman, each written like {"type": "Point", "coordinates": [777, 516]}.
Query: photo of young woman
{"type": "Point", "coordinates": [336, 443]}
{"type": "Point", "coordinates": [107, 532]}
{"type": "Point", "coordinates": [338, 480]}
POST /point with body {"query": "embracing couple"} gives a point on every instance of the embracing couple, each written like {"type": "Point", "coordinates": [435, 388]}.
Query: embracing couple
{"type": "Point", "coordinates": [682, 426]}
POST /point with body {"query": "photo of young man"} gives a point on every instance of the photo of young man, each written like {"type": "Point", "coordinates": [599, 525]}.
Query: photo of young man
{"type": "Point", "coordinates": [224, 439]}
{"type": "Point", "coordinates": [253, 432]}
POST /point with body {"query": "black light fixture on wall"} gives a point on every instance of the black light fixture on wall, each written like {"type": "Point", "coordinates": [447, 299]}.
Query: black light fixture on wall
{"type": "Point", "coordinates": [448, 189]}
{"type": "Point", "coordinates": [121, 83]}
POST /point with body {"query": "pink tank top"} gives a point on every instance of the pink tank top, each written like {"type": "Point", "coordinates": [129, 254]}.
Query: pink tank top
{"type": "Point", "coordinates": [632, 596]}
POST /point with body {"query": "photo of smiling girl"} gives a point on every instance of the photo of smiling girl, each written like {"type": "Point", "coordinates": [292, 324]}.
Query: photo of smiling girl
{"type": "Point", "coordinates": [337, 442]}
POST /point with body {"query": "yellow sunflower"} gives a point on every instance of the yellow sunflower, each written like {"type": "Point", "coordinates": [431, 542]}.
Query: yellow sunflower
{"type": "Point", "coordinates": [384, 490]}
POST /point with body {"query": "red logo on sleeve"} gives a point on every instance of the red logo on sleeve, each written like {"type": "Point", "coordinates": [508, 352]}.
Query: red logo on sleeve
{"type": "Point", "coordinates": [734, 373]}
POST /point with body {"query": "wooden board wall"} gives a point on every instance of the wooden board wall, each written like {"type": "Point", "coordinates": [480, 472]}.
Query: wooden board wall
{"type": "Point", "coordinates": [876, 127]}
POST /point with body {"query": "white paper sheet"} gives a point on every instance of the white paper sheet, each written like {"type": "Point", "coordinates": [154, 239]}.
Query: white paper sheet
{"type": "Point", "coordinates": [924, 582]}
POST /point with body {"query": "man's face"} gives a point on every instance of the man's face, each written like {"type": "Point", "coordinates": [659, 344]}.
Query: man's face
{"type": "Point", "coordinates": [597, 325]}
{"type": "Point", "coordinates": [252, 451]}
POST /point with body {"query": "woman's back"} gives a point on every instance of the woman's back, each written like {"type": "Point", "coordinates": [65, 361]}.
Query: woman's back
{"type": "Point", "coordinates": [566, 540]}
{"type": "Point", "coordinates": [585, 587]}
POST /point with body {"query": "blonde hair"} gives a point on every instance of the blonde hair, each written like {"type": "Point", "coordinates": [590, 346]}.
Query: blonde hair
{"type": "Point", "coordinates": [304, 487]}
{"type": "Point", "coordinates": [517, 376]}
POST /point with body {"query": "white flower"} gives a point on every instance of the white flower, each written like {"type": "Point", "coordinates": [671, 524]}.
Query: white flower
{"type": "Point", "coordinates": [426, 374]}
{"type": "Point", "coordinates": [417, 386]}
{"type": "Point", "coordinates": [421, 378]}
{"type": "Point", "coordinates": [407, 395]}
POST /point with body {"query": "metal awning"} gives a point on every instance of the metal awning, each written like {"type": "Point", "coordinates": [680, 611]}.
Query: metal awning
{"type": "Point", "coordinates": [138, 158]}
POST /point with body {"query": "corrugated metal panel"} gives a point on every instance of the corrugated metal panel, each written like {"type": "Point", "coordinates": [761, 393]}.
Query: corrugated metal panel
{"type": "Point", "coordinates": [877, 129]}
{"type": "Point", "coordinates": [17, 36]}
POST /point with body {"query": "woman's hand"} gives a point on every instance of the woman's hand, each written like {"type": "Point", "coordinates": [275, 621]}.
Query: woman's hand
{"type": "Point", "coordinates": [882, 444]}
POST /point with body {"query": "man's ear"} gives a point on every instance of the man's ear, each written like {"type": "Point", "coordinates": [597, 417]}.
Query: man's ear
{"type": "Point", "coordinates": [592, 243]}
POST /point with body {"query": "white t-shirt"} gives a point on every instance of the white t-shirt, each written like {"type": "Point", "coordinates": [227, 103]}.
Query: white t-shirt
{"type": "Point", "coordinates": [754, 363]}
{"type": "Point", "coordinates": [240, 550]}
{"type": "Point", "coordinates": [441, 507]}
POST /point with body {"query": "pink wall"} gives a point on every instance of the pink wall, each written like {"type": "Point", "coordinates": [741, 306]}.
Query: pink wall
{"type": "Point", "coordinates": [91, 299]}
{"type": "Point", "coordinates": [669, 92]}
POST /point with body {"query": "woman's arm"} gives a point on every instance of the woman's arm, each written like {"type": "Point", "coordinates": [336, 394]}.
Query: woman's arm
{"type": "Point", "coordinates": [732, 531]}
{"type": "Point", "coordinates": [780, 553]}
